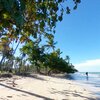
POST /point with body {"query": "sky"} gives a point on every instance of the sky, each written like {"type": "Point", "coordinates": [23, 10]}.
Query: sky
{"type": "Point", "coordinates": [78, 36]}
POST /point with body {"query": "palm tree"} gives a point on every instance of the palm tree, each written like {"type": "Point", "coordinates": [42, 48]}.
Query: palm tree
{"type": "Point", "coordinates": [50, 44]}
{"type": "Point", "coordinates": [67, 59]}
{"type": "Point", "coordinates": [17, 64]}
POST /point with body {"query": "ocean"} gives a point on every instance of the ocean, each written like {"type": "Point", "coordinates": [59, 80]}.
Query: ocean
{"type": "Point", "coordinates": [92, 81]}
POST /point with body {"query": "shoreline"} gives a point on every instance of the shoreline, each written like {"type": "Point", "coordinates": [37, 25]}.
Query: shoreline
{"type": "Point", "coordinates": [40, 87]}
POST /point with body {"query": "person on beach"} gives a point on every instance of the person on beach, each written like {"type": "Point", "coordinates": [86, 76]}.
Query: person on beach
{"type": "Point", "coordinates": [87, 74]}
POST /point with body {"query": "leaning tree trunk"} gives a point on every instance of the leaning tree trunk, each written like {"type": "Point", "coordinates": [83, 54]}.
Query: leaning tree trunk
{"type": "Point", "coordinates": [49, 72]}
{"type": "Point", "coordinates": [3, 57]}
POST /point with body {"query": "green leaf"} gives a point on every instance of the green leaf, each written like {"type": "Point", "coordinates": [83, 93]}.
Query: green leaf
{"type": "Point", "coordinates": [42, 24]}
{"type": "Point", "coordinates": [60, 18]}
{"type": "Point", "coordinates": [75, 7]}
{"type": "Point", "coordinates": [68, 10]}
{"type": "Point", "coordinates": [59, 1]}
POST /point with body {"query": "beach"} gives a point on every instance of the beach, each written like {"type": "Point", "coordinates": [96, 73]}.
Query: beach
{"type": "Point", "coordinates": [40, 87]}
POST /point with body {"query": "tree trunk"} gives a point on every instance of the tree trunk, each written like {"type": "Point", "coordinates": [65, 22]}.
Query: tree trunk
{"type": "Point", "coordinates": [49, 72]}
{"type": "Point", "coordinates": [3, 57]}
{"type": "Point", "coordinates": [38, 69]}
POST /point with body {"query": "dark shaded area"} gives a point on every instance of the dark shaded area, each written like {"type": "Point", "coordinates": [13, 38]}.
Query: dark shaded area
{"type": "Point", "coordinates": [6, 75]}
{"type": "Point", "coordinates": [69, 76]}
{"type": "Point", "coordinates": [23, 91]}
{"type": "Point", "coordinates": [63, 76]}
{"type": "Point", "coordinates": [32, 76]}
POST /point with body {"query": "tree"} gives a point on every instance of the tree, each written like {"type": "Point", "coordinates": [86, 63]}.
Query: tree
{"type": "Point", "coordinates": [31, 17]}
{"type": "Point", "coordinates": [34, 53]}
{"type": "Point", "coordinates": [51, 61]}
{"type": "Point", "coordinates": [51, 43]}
{"type": "Point", "coordinates": [57, 64]}
{"type": "Point", "coordinates": [67, 59]}
{"type": "Point", "coordinates": [5, 50]}
{"type": "Point", "coordinates": [17, 64]}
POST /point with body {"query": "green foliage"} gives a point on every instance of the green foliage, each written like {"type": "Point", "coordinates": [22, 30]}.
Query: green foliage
{"type": "Point", "coordinates": [58, 64]}
{"type": "Point", "coordinates": [50, 61]}
{"type": "Point", "coordinates": [11, 12]}
{"type": "Point", "coordinates": [33, 17]}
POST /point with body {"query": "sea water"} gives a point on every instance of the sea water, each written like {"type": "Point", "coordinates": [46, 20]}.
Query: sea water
{"type": "Point", "coordinates": [92, 81]}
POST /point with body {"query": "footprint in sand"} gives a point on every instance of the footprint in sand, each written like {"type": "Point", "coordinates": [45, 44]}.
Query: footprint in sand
{"type": "Point", "coordinates": [9, 96]}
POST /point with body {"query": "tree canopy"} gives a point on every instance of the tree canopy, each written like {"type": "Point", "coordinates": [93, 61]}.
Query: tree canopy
{"type": "Point", "coordinates": [31, 17]}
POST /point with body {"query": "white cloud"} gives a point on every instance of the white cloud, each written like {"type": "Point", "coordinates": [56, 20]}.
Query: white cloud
{"type": "Point", "coordinates": [95, 62]}
{"type": "Point", "coordinates": [91, 65]}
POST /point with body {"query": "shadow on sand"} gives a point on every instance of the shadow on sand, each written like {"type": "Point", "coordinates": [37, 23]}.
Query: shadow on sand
{"type": "Point", "coordinates": [74, 93]}
{"type": "Point", "coordinates": [23, 91]}
{"type": "Point", "coordinates": [36, 76]}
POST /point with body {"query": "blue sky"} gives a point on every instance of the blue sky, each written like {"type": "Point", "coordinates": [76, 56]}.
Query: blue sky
{"type": "Point", "coordinates": [78, 36]}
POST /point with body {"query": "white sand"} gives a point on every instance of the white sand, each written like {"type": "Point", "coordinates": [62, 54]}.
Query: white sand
{"type": "Point", "coordinates": [43, 88]}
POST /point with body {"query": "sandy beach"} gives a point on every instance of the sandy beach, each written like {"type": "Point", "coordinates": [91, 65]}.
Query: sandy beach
{"type": "Point", "coordinates": [39, 87]}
